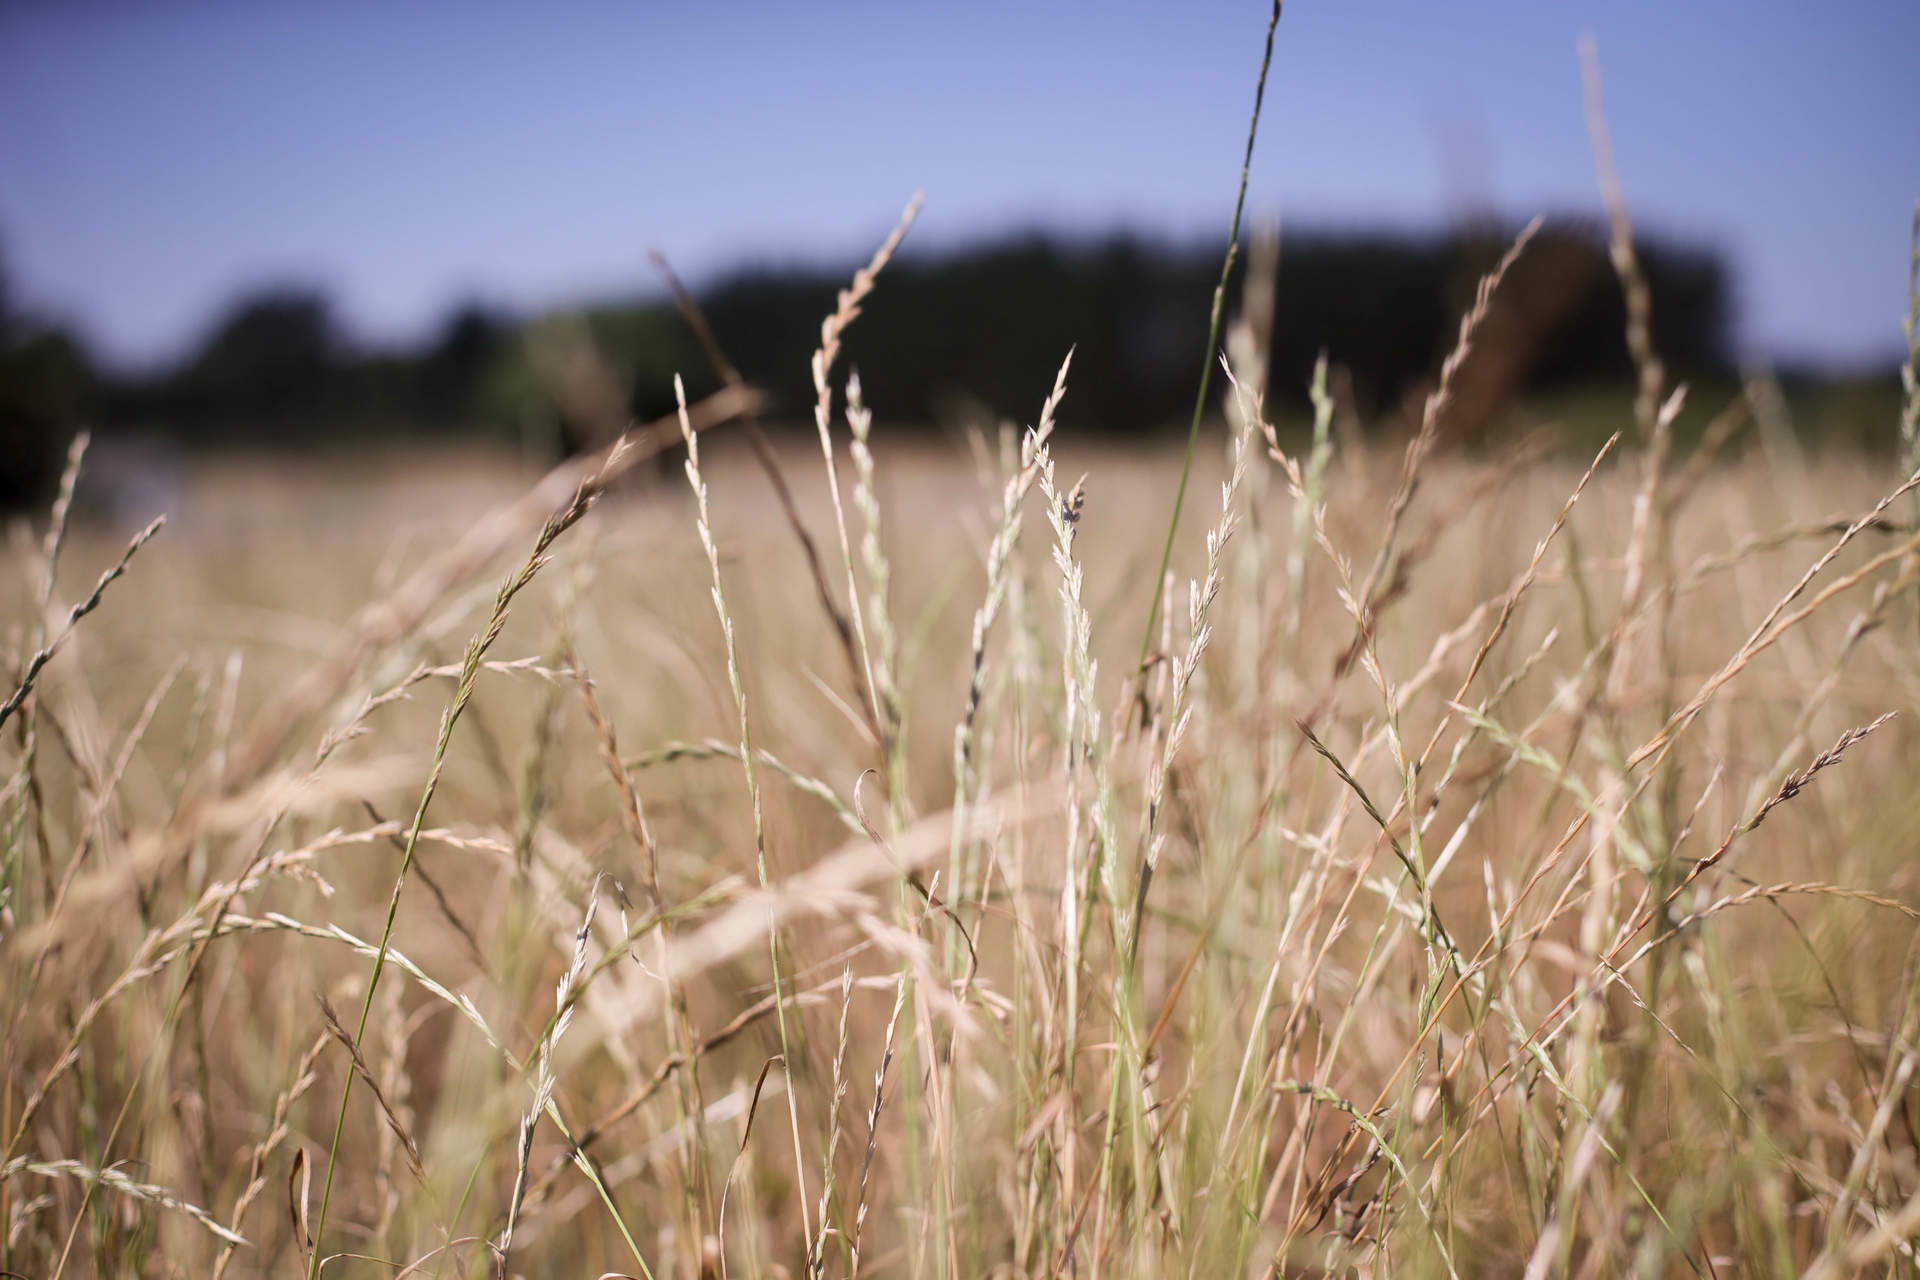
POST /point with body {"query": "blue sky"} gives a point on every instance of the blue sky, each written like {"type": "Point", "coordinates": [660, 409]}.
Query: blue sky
{"type": "Point", "coordinates": [157, 158]}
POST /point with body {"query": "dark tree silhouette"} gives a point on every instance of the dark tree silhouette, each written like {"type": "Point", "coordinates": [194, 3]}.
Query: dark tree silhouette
{"type": "Point", "coordinates": [273, 362]}
{"type": "Point", "coordinates": [47, 389]}
{"type": "Point", "coordinates": [981, 329]}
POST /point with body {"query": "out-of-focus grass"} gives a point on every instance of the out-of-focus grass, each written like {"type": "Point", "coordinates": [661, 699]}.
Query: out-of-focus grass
{"type": "Point", "coordinates": [1289, 1053]}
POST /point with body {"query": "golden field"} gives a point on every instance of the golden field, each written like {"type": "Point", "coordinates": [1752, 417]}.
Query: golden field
{"type": "Point", "coordinates": [1413, 915]}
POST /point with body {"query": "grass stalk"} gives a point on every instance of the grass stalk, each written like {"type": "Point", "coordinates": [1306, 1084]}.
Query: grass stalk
{"type": "Point", "coordinates": [1213, 342]}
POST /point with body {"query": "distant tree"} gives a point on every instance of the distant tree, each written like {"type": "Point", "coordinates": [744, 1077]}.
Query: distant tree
{"type": "Point", "coordinates": [47, 389]}
{"type": "Point", "coordinates": [6, 301]}
{"type": "Point", "coordinates": [988, 326]}
{"type": "Point", "coordinates": [272, 362]}
{"type": "Point", "coordinates": [575, 379]}
{"type": "Point", "coordinates": [451, 373]}
{"type": "Point", "coordinates": [983, 328]}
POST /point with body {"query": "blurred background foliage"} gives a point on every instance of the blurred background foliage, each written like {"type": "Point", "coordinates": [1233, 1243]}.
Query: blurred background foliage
{"type": "Point", "coordinates": [963, 335]}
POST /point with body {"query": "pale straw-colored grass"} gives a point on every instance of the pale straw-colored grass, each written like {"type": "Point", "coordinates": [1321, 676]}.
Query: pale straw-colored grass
{"type": "Point", "coordinates": [1534, 899]}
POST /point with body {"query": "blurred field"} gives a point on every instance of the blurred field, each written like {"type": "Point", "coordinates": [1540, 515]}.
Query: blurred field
{"type": "Point", "coordinates": [1575, 1016]}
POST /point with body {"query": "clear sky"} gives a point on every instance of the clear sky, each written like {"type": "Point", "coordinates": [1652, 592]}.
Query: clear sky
{"type": "Point", "coordinates": [157, 157]}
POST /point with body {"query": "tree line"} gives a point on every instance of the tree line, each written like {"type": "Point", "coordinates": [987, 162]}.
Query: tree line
{"type": "Point", "coordinates": [978, 330]}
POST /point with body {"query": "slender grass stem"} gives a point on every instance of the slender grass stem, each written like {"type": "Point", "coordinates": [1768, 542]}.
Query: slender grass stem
{"type": "Point", "coordinates": [1213, 345]}
{"type": "Point", "coordinates": [561, 520]}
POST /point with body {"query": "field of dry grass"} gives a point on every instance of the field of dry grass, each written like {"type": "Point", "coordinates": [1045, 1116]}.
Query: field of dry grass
{"type": "Point", "coordinates": [1491, 867]}
{"type": "Point", "coordinates": [1414, 915]}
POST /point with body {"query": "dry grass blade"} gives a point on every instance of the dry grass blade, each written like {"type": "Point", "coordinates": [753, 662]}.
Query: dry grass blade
{"type": "Point", "coordinates": [746, 1136]}
{"type": "Point", "coordinates": [632, 812]}
{"type": "Point", "coordinates": [1512, 599]}
{"type": "Point", "coordinates": [119, 1183]}
{"type": "Point", "coordinates": [665, 1071]}
{"type": "Point", "coordinates": [393, 832]}
{"type": "Point", "coordinates": [1430, 418]}
{"type": "Point", "coordinates": [770, 466]}
{"type": "Point", "coordinates": [1617, 961]}
{"type": "Point", "coordinates": [1415, 873]}
{"type": "Point", "coordinates": [714, 749]}
{"type": "Point", "coordinates": [37, 663]}
{"type": "Point", "coordinates": [1791, 787]}
{"type": "Point", "coordinates": [835, 886]}
{"type": "Point", "coordinates": [873, 1130]}
{"type": "Point", "coordinates": [299, 1197]}
{"type": "Point", "coordinates": [1626, 259]}
{"type": "Point", "coordinates": [1773, 625]}
{"type": "Point", "coordinates": [360, 1068]}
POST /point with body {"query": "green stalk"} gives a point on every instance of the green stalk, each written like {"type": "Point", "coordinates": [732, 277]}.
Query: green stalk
{"type": "Point", "coordinates": [1213, 344]}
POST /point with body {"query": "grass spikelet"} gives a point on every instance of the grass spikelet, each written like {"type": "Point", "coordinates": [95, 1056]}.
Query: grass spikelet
{"type": "Point", "coordinates": [361, 1069]}
{"type": "Point", "coordinates": [817, 1259]}
{"type": "Point", "coordinates": [999, 558]}
{"type": "Point", "coordinates": [832, 329]}
{"type": "Point", "coordinates": [1201, 597]}
{"type": "Point", "coordinates": [119, 1183]}
{"type": "Point", "coordinates": [545, 1075]}
{"type": "Point", "coordinates": [38, 662]}
{"type": "Point", "coordinates": [873, 1130]}
{"type": "Point", "coordinates": [873, 557]}
{"type": "Point", "coordinates": [1432, 412]}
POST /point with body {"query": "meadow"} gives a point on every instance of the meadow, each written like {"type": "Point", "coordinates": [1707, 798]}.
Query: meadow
{"type": "Point", "coordinates": [1499, 864]}
{"type": "Point", "coordinates": [1404, 850]}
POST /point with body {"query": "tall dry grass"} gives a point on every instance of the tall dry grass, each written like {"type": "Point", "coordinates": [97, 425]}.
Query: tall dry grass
{"type": "Point", "coordinates": [1495, 868]}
